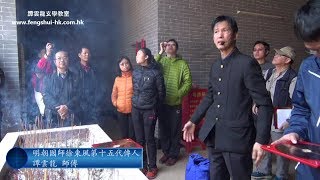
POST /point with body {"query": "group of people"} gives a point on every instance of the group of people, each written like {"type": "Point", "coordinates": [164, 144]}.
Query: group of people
{"type": "Point", "coordinates": [152, 91]}
{"type": "Point", "coordinates": [238, 107]}
{"type": "Point", "coordinates": [63, 94]}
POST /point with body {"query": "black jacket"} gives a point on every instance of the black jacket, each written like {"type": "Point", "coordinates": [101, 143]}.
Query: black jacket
{"type": "Point", "coordinates": [234, 83]}
{"type": "Point", "coordinates": [88, 93]}
{"type": "Point", "coordinates": [58, 91]}
{"type": "Point", "coordinates": [88, 85]}
{"type": "Point", "coordinates": [148, 86]}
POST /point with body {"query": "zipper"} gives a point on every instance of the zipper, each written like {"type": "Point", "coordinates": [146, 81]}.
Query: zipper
{"type": "Point", "coordinates": [125, 94]}
{"type": "Point", "coordinates": [141, 85]}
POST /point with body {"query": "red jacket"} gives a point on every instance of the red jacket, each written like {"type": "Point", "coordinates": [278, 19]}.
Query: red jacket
{"type": "Point", "coordinates": [44, 66]}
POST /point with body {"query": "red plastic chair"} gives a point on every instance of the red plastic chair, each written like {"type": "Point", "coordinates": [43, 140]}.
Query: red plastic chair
{"type": "Point", "coordinates": [189, 105]}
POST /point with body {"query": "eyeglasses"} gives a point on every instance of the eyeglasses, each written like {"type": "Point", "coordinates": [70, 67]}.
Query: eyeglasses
{"type": "Point", "coordinates": [277, 54]}
{"type": "Point", "coordinates": [169, 44]}
{"type": "Point", "coordinates": [62, 59]}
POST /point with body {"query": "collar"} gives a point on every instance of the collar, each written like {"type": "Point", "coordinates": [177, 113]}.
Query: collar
{"type": "Point", "coordinates": [126, 74]}
{"type": "Point", "coordinates": [281, 73]}
{"type": "Point", "coordinates": [227, 59]}
{"type": "Point", "coordinates": [175, 58]}
{"type": "Point", "coordinates": [85, 67]}
{"type": "Point", "coordinates": [63, 74]}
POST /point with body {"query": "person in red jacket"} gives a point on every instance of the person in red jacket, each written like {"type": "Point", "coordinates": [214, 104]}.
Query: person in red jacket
{"type": "Point", "coordinates": [122, 97]}
{"type": "Point", "coordinates": [44, 67]}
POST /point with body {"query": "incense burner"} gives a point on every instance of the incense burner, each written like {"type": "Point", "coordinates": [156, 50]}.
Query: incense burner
{"type": "Point", "coordinates": [65, 137]}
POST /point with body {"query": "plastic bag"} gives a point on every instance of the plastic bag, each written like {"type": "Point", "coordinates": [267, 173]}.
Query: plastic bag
{"type": "Point", "coordinates": [197, 168]}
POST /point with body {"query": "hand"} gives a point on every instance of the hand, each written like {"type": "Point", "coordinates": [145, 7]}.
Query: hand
{"type": "Point", "coordinates": [40, 75]}
{"type": "Point", "coordinates": [257, 153]}
{"type": "Point", "coordinates": [63, 111]}
{"type": "Point", "coordinates": [284, 125]}
{"type": "Point", "coordinates": [188, 131]}
{"type": "Point", "coordinates": [293, 137]}
{"type": "Point", "coordinates": [49, 48]}
{"type": "Point", "coordinates": [162, 47]}
{"type": "Point", "coordinates": [254, 109]}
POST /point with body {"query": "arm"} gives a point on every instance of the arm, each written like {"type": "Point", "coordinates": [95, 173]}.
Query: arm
{"type": "Point", "coordinates": [300, 114]}
{"type": "Point", "coordinates": [255, 83]}
{"type": "Point", "coordinates": [114, 95]}
{"type": "Point", "coordinates": [49, 100]}
{"type": "Point", "coordinates": [162, 48]}
{"type": "Point", "coordinates": [206, 102]}
{"type": "Point", "coordinates": [158, 57]}
{"type": "Point", "coordinates": [186, 81]}
{"type": "Point", "coordinates": [42, 63]}
{"type": "Point", "coordinates": [189, 127]}
{"type": "Point", "coordinates": [160, 87]}
{"type": "Point", "coordinates": [292, 86]}
{"type": "Point", "coordinates": [72, 104]}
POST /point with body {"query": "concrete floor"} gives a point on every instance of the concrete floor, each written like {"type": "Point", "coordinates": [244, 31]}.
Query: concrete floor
{"type": "Point", "coordinates": [177, 172]}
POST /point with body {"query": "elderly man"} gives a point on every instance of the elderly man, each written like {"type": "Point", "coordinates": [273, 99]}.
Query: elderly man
{"type": "Point", "coordinates": [60, 93]}
{"type": "Point", "coordinates": [281, 81]}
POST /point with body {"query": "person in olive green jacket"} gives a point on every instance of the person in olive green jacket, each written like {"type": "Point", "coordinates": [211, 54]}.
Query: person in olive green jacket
{"type": "Point", "coordinates": [178, 82]}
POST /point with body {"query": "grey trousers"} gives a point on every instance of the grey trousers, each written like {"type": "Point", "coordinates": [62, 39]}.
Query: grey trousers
{"type": "Point", "coordinates": [282, 164]}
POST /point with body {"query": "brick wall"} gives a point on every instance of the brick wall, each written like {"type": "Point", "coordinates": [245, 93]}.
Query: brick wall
{"type": "Point", "coordinates": [189, 22]}
{"type": "Point", "coordinates": [140, 21]}
{"type": "Point", "coordinates": [9, 59]}
{"type": "Point", "coordinates": [8, 44]}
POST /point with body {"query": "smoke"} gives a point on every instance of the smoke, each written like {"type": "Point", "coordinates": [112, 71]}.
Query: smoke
{"type": "Point", "coordinates": [100, 33]}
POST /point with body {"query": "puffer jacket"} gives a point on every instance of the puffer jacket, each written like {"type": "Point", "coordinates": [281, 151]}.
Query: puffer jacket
{"type": "Point", "coordinates": [177, 78]}
{"type": "Point", "coordinates": [148, 86]}
{"type": "Point", "coordinates": [122, 91]}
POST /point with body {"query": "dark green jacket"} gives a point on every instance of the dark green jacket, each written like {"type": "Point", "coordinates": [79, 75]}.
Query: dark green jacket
{"type": "Point", "coordinates": [177, 78]}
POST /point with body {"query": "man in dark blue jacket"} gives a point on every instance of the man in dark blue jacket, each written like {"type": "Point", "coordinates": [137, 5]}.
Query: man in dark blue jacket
{"type": "Point", "coordinates": [304, 123]}
{"type": "Point", "coordinates": [88, 87]}
{"type": "Point", "coordinates": [60, 93]}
